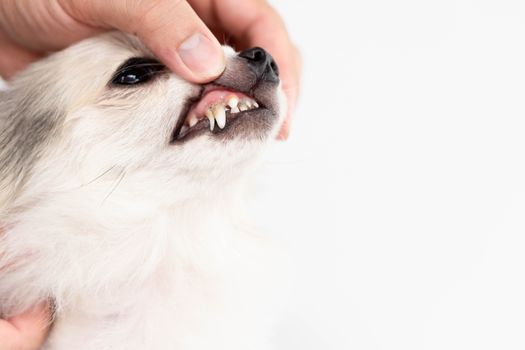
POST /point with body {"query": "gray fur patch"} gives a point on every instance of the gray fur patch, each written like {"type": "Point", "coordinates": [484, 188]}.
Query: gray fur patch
{"type": "Point", "coordinates": [24, 132]}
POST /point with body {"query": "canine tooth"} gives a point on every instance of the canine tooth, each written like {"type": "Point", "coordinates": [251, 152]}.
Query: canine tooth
{"type": "Point", "coordinates": [220, 115]}
{"type": "Point", "coordinates": [233, 102]}
{"type": "Point", "coordinates": [193, 120]}
{"type": "Point", "coordinates": [211, 118]}
{"type": "Point", "coordinates": [183, 130]}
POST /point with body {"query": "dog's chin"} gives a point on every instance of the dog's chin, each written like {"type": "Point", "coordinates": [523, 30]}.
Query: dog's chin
{"type": "Point", "coordinates": [224, 113]}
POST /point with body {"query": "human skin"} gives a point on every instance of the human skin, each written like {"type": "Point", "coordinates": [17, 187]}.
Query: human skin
{"type": "Point", "coordinates": [182, 34]}
{"type": "Point", "coordinates": [26, 331]}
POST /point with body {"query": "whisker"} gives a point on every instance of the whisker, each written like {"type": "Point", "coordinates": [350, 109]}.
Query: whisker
{"type": "Point", "coordinates": [119, 181]}
{"type": "Point", "coordinates": [226, 39]}
{"type": "Point", "coordinates": [98, 177]}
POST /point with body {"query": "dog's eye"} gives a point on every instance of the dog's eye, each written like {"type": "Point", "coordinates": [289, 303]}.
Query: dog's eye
{"type": "Point", "coordinates": [137, 71]}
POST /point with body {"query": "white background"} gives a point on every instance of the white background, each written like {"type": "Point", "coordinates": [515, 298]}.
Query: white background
{"type": "Point", "coordinates": [401, 193]}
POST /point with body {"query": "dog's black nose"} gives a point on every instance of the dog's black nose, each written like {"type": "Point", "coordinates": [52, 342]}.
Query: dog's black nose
{"type": "Point", "coordinates": [262, 64]}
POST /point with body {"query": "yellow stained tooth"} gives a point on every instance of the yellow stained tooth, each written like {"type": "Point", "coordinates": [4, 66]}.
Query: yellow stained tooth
{"type": "Point", "coordinates": [220, 115]}
{"type": "Point", "coordinates": [193, 120]}
{"type": "Point", "coordinates": [211, 118]}
{"type": "Point", "coordinates": [243, 107]}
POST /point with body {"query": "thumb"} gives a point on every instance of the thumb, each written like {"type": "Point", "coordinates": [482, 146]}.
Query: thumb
{"type": "Point", "coordinates": [169, 28]}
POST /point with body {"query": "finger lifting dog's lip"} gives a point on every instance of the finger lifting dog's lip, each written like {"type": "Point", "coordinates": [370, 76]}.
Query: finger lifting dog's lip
{"type": "Point", "coordinates": [229, 114]}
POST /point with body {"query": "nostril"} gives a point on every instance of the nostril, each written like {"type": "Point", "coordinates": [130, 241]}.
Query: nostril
{"type": "Point", "coordinates": [256, 55]}
{"type": "Point", "coordinates": [274, 67]}
{"type": "Point", "coordinates": [259, 55]}
{"type": "Point", "coordinates": [261, 63]}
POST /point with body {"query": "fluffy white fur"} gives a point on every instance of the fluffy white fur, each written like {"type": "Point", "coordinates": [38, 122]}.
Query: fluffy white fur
{"type": "Point", "coordinates": [140, 245]}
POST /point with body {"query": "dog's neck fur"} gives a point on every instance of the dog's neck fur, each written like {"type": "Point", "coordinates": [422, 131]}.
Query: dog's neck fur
{"type": "Point", "coordinates": [192, 247]}
{"type": "Point", "coordinates": [140, 236]}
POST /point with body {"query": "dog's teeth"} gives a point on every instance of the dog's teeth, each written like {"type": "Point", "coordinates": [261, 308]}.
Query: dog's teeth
{"type": "Point", "coordinates": [183, 130]}
{"type": "Point", "coordinates": [243, 106]}
{"type": "Point", "coordinates": [235, 110]}
{"type": "Point", "coordinates": [193, 120]}
{"type": "Point", "coordinates": [220, 115]}
{"type": "Point", "coordinates": [211, 118]}
{"type": "Point", "coordinates": [251, 104]}
{"type": "Point", "coordinates": [233, 102]}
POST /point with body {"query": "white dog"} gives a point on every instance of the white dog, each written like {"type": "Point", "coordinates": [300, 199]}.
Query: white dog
{"type": "Point", "coordinates": [119, 199]}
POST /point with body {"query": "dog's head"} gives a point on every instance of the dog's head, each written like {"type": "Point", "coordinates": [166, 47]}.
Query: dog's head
{"type": "Point", "coordinates": [106, 111]}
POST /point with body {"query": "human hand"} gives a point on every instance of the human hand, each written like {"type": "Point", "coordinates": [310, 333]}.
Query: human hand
{"type": "Point", "coordinates": [26, 331]}
{"type": "Point", "coordinates": [249, 23]}
{"type": "Point", "coordinates": [174, 31]}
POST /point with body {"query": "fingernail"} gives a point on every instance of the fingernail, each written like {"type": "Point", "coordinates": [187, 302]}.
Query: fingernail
{"type": "Point", "coordinates": [202, 56]}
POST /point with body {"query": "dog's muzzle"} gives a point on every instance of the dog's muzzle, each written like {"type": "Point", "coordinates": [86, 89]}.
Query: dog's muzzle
{"type": "Point", "coordinates": [242, 101]}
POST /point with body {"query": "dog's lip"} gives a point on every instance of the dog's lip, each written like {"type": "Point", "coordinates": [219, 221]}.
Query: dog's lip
{"type": "Point", "coordinates": [194, 101]}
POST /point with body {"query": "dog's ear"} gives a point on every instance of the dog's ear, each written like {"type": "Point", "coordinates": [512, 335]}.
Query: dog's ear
{"type": "Point", "coordinates": [27, 122]}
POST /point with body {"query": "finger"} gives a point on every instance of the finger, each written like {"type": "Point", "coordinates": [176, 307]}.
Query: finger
{"type": "Point", "coordinates": [26, 331]}
{"type": "Point", "coordinates": [14, 58]}
{"type": "Point", "coordinates": [292, 92]}
{"type": "Point", "coordinates": [169, 28]}
{"type": "Point", "coordinates": [277, 42]}
{"type": "Point", "coordinates": [257, 24]}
